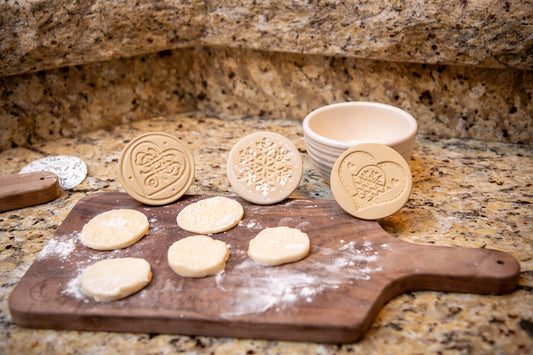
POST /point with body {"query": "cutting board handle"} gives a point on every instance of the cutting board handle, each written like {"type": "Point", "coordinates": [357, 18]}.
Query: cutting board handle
{"type": "Point", "coordinates": [23, 190]}
{"type": "Point", "coordinates": [441, 268]}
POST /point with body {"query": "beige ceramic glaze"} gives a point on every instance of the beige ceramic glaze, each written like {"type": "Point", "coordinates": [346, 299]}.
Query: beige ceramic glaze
{"type": "Point", "coordinates": [156, 168]}
{"type": "Point", "coordinates": [264, 168]}
{"type": "Point", "coordinates": [371, 181]}
{"type": "Point", "coordinates": [330, 130]}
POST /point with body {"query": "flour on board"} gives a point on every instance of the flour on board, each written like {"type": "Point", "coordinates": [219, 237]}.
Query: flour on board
{"type": "Point", "coordinates": [277, 287]}
{"type": "Point", "coordinates": [59, 248]}
{"type": "Point", "coordinates": [73, 288]}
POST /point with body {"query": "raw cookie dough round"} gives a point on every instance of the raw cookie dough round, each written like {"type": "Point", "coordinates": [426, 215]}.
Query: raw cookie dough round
{"type": "Point", "coordinates": [197, 256]}
{"type": "Point", "coordinates": [212, 215]}
{"type": "Point", "coordinates": [112, 279]}
{"type": "Point", "coordinates": [280, 245]}
{"type": "Point", "coordinates": [115, 229]}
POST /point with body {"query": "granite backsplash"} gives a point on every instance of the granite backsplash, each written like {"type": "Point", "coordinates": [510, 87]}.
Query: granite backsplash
{"type": "Point", "coordinates": [448, 101]}
{"type": "Point", "coordinates": [462, 71]}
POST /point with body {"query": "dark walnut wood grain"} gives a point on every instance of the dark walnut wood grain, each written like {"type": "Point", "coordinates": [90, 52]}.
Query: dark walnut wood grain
{"type": "Point", "coordinates": [23, 190]}
{"type": "Point", "coordinates": [332, 295]}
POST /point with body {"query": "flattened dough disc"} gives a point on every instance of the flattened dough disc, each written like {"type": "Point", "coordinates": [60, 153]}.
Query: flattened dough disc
{"type": "Point", "coordinates": [212, 215]}
{"type": "Point", "coordinates": [115, 229]}
{"type": "Point", "coordinates": [112, 279]}
{"type": "Point", "coordinates": [197, 256]}
{"type": "Point", "coordinates": [280, 245]}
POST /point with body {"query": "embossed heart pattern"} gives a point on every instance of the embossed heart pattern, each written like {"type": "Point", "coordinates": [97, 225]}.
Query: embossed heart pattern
{"type": "Point", "coordinates": [156, 168]}
{"type": "Point", "coordinates": [371, 181]}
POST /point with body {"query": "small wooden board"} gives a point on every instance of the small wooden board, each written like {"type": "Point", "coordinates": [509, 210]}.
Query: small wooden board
{"type": "Point", "coordinates": [332, 295]}
{"type": "Point", "coordinates": [23, 190]}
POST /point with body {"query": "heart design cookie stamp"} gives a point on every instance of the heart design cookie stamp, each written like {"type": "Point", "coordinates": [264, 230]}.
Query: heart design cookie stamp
{"type": "Point", "coordinates": [156, 168]}
{"type": "Point", "coordinates": [371, 181]}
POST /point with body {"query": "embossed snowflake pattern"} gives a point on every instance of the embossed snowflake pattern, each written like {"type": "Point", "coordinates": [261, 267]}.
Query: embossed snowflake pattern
{"type": "Point", "coordinates": [264, 166]}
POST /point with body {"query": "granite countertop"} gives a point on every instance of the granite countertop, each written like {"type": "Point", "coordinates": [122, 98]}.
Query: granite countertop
{"type": "Point", "coordinates": [41, 34]}
{"type": "Point", "coordinates": [466, 193]}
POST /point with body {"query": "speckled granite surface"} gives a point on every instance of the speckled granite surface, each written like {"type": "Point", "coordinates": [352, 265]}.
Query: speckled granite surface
{"type": "Point", "coordinates": [68, 101]}
{"type": "Point", "coordinates": [484, 34]}
{"type": "Point", "coordinates": [37, 35]}
{"type": "Point", "coordinates": [466, 193]}
{"type": "Point", "coordinates": [66, 67]}
{"type": "Point", "coordinates": [485, 104]}
{"type": "Point", "coordinates": [46, 34]}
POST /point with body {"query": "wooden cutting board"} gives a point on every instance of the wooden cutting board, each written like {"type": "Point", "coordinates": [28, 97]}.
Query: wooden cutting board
{"type": "Point", "coordinates": [333, 295]}
{"type": "Point", "coordinates": [23, 190]}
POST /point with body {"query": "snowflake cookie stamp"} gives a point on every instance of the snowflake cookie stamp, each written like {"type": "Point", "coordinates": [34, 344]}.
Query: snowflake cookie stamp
{"type": "Point", "coordinates": [371, 181]}
{"type": "Point", "coordinates": [264, 168]}
{"type": "Point", "coordinates": [70, 170]}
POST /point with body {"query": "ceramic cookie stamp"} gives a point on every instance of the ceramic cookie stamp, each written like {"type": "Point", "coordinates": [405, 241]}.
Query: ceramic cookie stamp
{"type": "Point", "coordinates": [70, 170]}
{"type": "Point", "coordinates": [264, 168]}
{"type": "Point", "coordinates": [371, 181]}
{"type": "Point", "coordinates": [156, 168]}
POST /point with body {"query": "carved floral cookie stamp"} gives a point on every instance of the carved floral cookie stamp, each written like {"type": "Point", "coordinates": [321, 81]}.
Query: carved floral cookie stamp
{"type": "Point", "coordinates": [371, 181]}
{"type": "Point", "coordinates": [156, 168]}
{"type": "Point", "coordinates": [264, 168]}
{"type": "Point", "coordinates": [70, 170]}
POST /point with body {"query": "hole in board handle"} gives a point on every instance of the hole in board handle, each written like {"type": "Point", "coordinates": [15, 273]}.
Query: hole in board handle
{"type": "Point", "coordinates": [501, 262]}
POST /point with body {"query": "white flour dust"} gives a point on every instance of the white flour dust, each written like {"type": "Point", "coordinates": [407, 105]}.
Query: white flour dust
{"type": "Point", "coordinates": [115, 223]}
{"type": "Point", "coordinates": [250, 224]}
{"type": "Point", "coordinates": [267, 287]}
{"type": "Point", "coordinates": [300, 204]}
{"type": "Point", "coordinates": [74, 288]}
{"type": "Point", "coordinates": [155, 227]}
{"type": "Point", "coordinates": [277, 287]}
{"type": "Point", "coordinates": [58, 248]}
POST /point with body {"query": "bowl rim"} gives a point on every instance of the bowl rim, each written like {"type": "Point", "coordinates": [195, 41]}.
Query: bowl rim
{"type": "Point", "coordinates": [410, 132]}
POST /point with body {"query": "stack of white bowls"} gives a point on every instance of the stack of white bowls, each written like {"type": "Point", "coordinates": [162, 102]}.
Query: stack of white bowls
{"type": "Point", "coordinates": [330, 130]}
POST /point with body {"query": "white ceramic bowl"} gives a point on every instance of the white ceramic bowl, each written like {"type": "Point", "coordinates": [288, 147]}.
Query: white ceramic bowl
{"type": "Point", "coordinates": [330, 130]}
